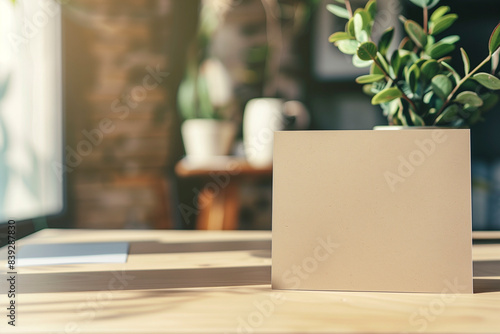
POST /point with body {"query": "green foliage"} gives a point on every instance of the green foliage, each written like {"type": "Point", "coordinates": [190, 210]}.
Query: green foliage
{"type": "Point", "coordinates": [337, 10]}
{"type": "Point", "coordinates": [415, 84]}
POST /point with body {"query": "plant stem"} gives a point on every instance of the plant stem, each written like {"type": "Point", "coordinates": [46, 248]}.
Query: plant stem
{"type": "Point", "coordinates": [348, 7]}
{"type": "Point", "coordinates": [412, 104]}
{"type": "Point", "coordinates": [448, 99]}
{"type": "Point", "coordinates": [379, 65]}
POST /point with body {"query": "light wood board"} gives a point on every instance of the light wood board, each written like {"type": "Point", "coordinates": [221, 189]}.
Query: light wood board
{"type": "Point", "coordinates": [219, 282]}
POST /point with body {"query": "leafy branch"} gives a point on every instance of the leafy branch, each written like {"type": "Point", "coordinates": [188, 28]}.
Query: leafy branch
{"type": "Point", "coordinates": [418, 71]}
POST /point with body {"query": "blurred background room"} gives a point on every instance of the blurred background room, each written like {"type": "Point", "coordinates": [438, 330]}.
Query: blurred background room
{"type": "Point", "coordinates": [101, 100]}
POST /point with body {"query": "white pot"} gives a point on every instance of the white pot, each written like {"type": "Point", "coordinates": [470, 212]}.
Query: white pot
{"type": "Point", "coordinates": [207, 138]}
{"type": "Point", "coordinates": [405, 127]}
{"type": "Point", "coordinates": [264, 116]}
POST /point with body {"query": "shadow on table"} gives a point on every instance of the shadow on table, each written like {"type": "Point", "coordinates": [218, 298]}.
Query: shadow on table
{"type": "Point", "coordinates": [144, 279]}
{"type": "Point", "coordinates": [483, 270]}
{"type": "Point", "coordinates": [486, 268]}
{"type": "Point", "coordinates": [154, 247]}
{"type": "Point", "coordinates": [482, 285]}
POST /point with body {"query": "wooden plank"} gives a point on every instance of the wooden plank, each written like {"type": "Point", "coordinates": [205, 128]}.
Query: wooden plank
{"type": "Point", "coordinates": [219, 282]}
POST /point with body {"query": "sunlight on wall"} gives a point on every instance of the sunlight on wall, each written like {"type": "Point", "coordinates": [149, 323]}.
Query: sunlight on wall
{"type": "Point", "coordinates": [30, 109]}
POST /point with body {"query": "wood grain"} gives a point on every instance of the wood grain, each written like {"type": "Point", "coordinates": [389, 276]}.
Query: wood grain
{"type": "Point", "coordinates": [219, 282]}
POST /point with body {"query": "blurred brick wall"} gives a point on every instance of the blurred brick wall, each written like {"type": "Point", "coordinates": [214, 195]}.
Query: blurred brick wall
{"type": "Point", "coordinates": [122, 63]}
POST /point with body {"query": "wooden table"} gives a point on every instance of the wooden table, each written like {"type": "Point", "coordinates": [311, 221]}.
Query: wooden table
{"type": "Point", "coordinates": [218, 199]}
{"type": "Point", "coordinates": [219, 282]}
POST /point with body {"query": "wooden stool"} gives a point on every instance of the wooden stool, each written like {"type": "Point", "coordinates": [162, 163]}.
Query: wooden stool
{"type": "Point", "coordinates": [218, 200]}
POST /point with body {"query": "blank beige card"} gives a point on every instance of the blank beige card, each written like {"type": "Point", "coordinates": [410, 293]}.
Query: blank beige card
{"type": "Point", "coordinates": [372, 211]}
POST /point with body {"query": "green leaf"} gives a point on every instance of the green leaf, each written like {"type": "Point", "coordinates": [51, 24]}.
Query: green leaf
{"type": "Point", "coordinates": [368, 90]}
{"type": "Point", "coordinates": [392, 108]}
{"type": "Point", "coordinates": [494, 43]}
{"type": "Point", "coordinates": [416, 33]}
{"type": "Point", "coordinates": [371, 8]}
{"type": "Point", "coordinates": [406, 44]}
{"type": "Point", "coordinates": [455, 74]}
{"type": "Point", "coordinates": [439, 12]}
{"type": "Point", "coordinates": [383, 63]}
{"type": "Point", "coordinates": [469, 98]}
{"type": "Point", "coordinates": [495, 58]}
{"type": "Point", "coordinates": [375, 69]}
{"type": "Point", "coordinates": [347, 46]}
{"type": "Point", "coordinates": [475, 117]}
{"type": "Point", "coordinates": [362, 22]}
{"type": "Point", "coordinates": [385, 41]}
{"type": "Point", "coordinates": [338, 11]}
{"type": "Point", "coordinates": [432, 3]}
{"type": "Point", "coordinates": [205, 105]}
{"type": "Point", "coordinates": [420, 62]}
{"type": "Point", "coordinates": [420, 3]}
{"type": "Point", "coordinates": [401, 119]}
{"type": "Point", "coordinates": [450, 39]}
{"type": "Point", "coordinates": [367, 51]}
{"type": "Point", "coordinates": [186, 97]}
{"type": "Point", "coordinates": [430, 69]}
{"type": "Point", "coordinates": [430, 41]}
{"type": "Point", "coordinates": [356, 61]}
{"type": "Point", "coordinates": [487, 80]}
{"type": "Point", "coordinates": [412, 76]}
{"type": "Point", "coordinates": [387, 95]}
{"type": "Point", "coordinates": [339, 36]}
{"type": "Point", "coordinates": [439, 50]}
{"type": "Point", "coordinates": [448, 115]}
{"type": "Point", "coordinates": [396, 62]}
{"type": "Point", "coordinates": [363, 36]}
{"type": "Point", "coordinates": [425, 3]}
{"type": "Point", "coordinates": [358, 24]}
{"type": "Point", "coordinates": [465, 59]}
{"type": "Point", "coordinates": [350, 27]}
{"type": "Point", "coordinates": [428, 97]}
{"type": "Point", "coordinates": [441, 85]}
{"type": "Point", "coordinates": [489, 101]}
{"type": "Point", "coordinates": [369, 78]}
{"type": "Point", "coordinates": [442, 23]}
{"type": "Point", "coordinates": [416, 119]}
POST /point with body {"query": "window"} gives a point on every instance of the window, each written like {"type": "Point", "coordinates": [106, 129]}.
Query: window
{"type": "Point", "coordinates": [31, 183]}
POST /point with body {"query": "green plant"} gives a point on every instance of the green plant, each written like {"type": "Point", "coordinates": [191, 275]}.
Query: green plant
{"type": "Point", "coordinates": [416, 85]}
{"type": "Point", "coordinates": [206, 89]}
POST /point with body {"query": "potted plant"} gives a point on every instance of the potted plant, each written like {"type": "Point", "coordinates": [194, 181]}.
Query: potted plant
{"type": "Point", "coordinates": [205, 97]}
{"type": "Point", "coordinates": [416, 85]}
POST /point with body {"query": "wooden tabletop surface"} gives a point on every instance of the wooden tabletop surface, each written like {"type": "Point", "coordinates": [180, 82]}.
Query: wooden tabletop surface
{"type": "Point", "coordinates": [219, 282]}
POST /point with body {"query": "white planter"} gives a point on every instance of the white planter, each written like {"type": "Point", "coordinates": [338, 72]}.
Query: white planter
{"type": "Point", "coordinates": [264, 116]}
{"type": "Point", "coordinates": [207, 138]}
